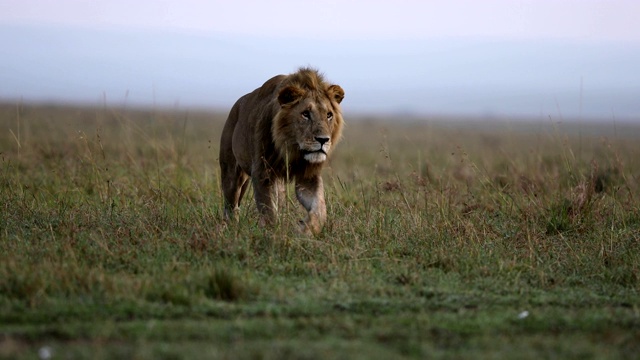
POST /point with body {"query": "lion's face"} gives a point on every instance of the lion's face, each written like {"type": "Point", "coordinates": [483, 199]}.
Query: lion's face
{"type": "Point", "coordinates": [309, 123]}
{"type": "Point", "coordinates": [314, 124]}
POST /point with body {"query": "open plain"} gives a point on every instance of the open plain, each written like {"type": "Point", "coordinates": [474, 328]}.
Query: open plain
{"type": "Point", "coordinates": [446, 238]}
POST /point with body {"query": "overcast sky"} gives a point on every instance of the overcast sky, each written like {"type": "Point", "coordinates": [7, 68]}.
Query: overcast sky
{"type": "Point", "coordinates": [432, 56]}
{"type": "Point", "coordinates": [511, 19]}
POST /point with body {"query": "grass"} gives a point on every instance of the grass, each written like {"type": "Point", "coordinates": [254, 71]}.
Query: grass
{"type": "Point", "coordinates": [445, 239]}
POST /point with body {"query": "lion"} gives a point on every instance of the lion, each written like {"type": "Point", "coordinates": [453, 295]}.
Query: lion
{"type": "Point", "coordinates": [284, 130]}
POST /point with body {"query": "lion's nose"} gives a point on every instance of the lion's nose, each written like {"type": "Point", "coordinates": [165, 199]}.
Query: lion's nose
{"type": "Point", "coordinates": [322, 139]}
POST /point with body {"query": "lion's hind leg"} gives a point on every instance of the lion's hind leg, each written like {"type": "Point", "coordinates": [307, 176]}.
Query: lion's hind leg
{"type": "Point", "coordinates": [265, 192]}
{"type": "Point", "coordinates": [234, 185]}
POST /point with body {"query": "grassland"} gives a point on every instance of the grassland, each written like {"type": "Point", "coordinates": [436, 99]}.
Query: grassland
{"type": "Point", "coordinates": [446, 239]}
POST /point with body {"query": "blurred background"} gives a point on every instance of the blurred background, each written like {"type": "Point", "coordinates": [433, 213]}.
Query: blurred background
{"type": "Point", "coordinates": [567, 59]}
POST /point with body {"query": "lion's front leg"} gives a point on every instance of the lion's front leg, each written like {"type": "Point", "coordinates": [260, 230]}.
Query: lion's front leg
{"type": "Point", "coordinates": [310, 193]}
{"type": "Point", "coordinates": [280, 193]}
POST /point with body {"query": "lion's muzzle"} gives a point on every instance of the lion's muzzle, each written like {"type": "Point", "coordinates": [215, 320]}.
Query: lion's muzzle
{"type": "Point", "coordinates": [316, 151]}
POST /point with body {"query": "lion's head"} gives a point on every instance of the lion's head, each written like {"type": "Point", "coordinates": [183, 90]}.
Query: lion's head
{"type": "Point", "coordinates": [309, 122]}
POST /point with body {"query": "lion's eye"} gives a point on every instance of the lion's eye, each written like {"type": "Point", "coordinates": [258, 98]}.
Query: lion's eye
{"type": "Point", "coordinates": [306, 114]}
{"type": "Point", "coordinates": [329, 115]}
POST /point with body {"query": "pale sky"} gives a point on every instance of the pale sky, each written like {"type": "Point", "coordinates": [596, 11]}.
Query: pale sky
{"type": "Point", "coordinates": [527, 58]}
{"type": "Point", "coordinates": [598, 20]}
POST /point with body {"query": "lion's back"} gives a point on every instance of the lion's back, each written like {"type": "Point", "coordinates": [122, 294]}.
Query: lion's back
{"type": "Point", "coordinates": [244, 120]}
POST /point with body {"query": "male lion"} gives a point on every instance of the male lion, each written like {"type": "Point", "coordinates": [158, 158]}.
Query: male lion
{"type": "Point", "coordinates": [283, 130]}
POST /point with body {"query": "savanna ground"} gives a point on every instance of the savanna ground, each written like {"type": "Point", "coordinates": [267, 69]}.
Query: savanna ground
{"type": "Point", "coordinates": [446, 239]}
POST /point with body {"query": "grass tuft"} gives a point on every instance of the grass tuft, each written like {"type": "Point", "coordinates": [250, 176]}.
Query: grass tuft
{"type": "Point", "coordinates": [224, 285]}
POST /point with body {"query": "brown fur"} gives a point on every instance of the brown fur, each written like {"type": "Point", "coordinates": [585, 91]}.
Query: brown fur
{"type": "Point", "coordinates": [274, 134]}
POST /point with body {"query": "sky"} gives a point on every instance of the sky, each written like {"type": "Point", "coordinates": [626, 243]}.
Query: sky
{"type": "Point", "coordinates": [560, 58]}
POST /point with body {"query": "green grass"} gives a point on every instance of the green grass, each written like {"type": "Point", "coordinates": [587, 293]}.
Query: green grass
{"type": "Point", "coordinates": [441, 234]}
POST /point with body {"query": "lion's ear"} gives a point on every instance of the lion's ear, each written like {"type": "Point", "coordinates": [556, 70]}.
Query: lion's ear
{"type": "Point", "coordinates": [289, 95]}
{"type": "Point", "coordinates": [337, 93]}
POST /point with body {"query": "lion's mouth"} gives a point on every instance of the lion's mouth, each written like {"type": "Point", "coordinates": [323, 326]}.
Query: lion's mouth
{"type": "Point", "coordinates": [319, 151]}
{"type": "Point", "coordinates": [316, 156]}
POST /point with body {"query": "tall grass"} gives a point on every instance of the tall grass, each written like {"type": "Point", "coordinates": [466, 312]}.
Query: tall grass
{"type": "Point", "coordinates": [439, 234]}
